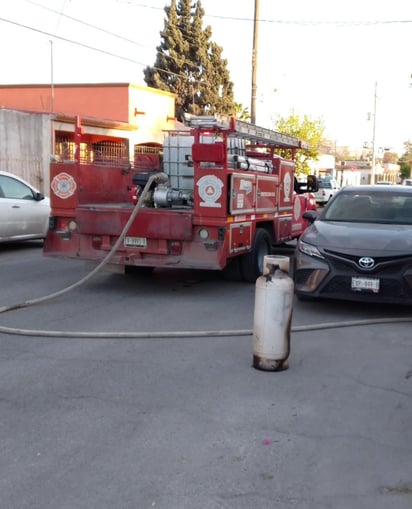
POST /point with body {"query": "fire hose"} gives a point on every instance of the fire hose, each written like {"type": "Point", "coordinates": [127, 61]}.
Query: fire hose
{"type": "Point", "coordinates": [159, 178]}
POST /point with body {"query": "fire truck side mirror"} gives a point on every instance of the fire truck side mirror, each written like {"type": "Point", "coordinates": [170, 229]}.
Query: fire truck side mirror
{"type": "Point", "coordinates": [312, 184]}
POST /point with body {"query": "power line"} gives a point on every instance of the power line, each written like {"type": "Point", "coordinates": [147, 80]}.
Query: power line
{"type": "Point", "coordinates": [187, 37]}
{"type": "Point", "coordinates": [61, 14]}
{"type": "Point", "coordinates": [109, 53]}
{"type": "Point", "coordinates": [71, 41]}
{"type": "Point", "coordinates": [95, 27]}
{"type": "Point", "coordinates": [349, 23]}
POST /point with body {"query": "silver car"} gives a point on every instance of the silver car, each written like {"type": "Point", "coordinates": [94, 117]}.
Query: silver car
{"type": "Point", "coordinates": [359, 247]}
{"type": "Point", "coordinates": [24, 211]}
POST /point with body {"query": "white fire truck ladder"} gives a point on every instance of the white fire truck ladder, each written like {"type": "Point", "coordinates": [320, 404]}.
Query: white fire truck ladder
{"type": "Point", "coordinates": [241, 129]}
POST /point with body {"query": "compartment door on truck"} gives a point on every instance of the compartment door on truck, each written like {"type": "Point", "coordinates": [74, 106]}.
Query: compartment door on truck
{"type": "Point", "coordinates": [242, 193]}
{"type": "Point", "coordinates": [266, 193]}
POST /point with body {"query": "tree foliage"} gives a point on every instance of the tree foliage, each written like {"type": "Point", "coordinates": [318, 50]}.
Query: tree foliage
{"type": "Point", "coordinates": [390, 158]}
{"type": "Point", "coordinates": [306, 129]}
{"type": "Point", "coordinates": [190, 65]}
{"type": "Point", "coordinates": [241, 112]}
{"type": "Point", "coordinates": [405, 161]}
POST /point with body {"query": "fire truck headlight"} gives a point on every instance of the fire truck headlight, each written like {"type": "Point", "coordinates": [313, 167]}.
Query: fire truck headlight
{"type": "Point", "coordinates": [72, 226]}
{"type": "Point", "coordinates": [203, 234]}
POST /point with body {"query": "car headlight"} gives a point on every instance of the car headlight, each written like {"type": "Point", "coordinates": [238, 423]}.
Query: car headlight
{"type": "Point", "coordinates": [309, 249]}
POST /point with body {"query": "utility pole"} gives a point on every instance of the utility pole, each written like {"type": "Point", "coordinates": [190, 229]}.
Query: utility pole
{"type": "Point", "coordinates": [51, 78]}
{"type": "Point", "coordinates": [254, 64]}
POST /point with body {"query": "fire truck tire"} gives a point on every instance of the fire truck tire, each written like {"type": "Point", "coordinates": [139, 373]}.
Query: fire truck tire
{"type": "Point", "coordinates": [232, 271]}
{"type": "Point", "coordinates": [252, 262]}
{"type": "Point", "coordinates": [133, 269]}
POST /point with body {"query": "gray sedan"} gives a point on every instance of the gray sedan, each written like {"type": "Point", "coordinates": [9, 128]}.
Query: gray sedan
{"type": "Point", "coordinates": [359, 247]}
{"type": "Point", "coordinates": [24, 211]}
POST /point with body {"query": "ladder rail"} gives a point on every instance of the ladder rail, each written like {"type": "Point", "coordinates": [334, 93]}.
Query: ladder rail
{"type": "Point", "coordinates": [245, 130]}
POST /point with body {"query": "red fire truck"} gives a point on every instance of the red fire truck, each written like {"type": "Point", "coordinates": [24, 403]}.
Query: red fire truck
{"type": "Point", "coordinates": [215, 196]}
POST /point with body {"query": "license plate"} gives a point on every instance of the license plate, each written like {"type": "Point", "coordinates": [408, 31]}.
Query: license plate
{"type": "Point", "coordinates": [135, 242]}
{"type": "Point", "coordinates": [360, 284]}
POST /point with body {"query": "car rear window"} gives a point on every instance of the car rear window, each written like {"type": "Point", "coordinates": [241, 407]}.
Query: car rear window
{"type": "Point", "coordinates": [325, 185]}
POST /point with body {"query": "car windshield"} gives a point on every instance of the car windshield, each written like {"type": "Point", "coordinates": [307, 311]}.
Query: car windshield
{"type": "Point", "coordinates": [370, 207]}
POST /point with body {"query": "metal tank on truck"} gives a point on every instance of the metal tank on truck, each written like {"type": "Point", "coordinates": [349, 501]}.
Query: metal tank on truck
{"type": "Point", "coordinates": [214, 197]}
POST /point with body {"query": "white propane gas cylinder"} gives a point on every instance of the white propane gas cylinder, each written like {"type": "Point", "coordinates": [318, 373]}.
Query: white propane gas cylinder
{"type": "Point", "coordinates": [281, 260]}
{"type": "Point", "coordinates": [273, 315]}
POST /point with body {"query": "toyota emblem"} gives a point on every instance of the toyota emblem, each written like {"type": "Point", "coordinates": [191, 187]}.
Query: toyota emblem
{"type": "Point", "coordinates": [366, 262]}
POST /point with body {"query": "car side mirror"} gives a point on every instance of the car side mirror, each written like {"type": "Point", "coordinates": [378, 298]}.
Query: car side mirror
{"type": "Point", "coordinates": [310, 215]}
{"type": "Point", "coordinates": [38, 196]}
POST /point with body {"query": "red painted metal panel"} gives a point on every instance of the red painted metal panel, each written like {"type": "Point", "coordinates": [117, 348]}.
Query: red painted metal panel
{"type": "Point", "coordinates": [72, 184]}
{"type": "Point", "coordinates": [104, 184]}
{"type": "Point", "coordinates": [242, 193]}
{"type": "Point", "coordinates": [284, 228]}
{"type": "Point", "coordinates": [162, 224]}
{"type": "Point", "coordinates": [64, 187]}
{"type": "Point", "coordinates": [149, 223]}
{"type": "Point", "coordinates": [240, 237]}
{"type": "Point", "coordinates": [210, 192]}
{"type": "Point", "coordinates": [266, 193]}
{"type": "Point", "coordinates": [300, 205]}
{"type": "Point", "coordinates": [209, 152]}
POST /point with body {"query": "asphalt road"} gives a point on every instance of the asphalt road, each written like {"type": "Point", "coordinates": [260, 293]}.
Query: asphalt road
{"type": "Point", "coordinates": [187, 422]}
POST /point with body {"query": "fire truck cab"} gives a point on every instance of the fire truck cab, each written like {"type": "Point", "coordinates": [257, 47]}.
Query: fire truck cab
{"type": "Point", "coordinates": [217, 197]}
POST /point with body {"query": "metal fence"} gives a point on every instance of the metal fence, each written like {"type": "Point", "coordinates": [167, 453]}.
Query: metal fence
{"type": "Point", "coordinates": [102, 152]}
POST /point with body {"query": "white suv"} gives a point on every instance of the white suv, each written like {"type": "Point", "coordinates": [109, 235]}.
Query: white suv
{"type": "Point", "coordinates": [327, 188]}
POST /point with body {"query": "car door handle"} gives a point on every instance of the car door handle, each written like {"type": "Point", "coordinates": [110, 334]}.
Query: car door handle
{"type": "Point", "coordinates": [15, 206]}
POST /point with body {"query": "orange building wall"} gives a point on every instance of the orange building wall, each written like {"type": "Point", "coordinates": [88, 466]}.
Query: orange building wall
{"type": "Point", "coordinates": [122, 102]}
{"type": "Point", "coordinates": [108, 101]}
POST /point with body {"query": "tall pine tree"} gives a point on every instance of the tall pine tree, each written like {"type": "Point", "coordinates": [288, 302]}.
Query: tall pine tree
{"type": "Point", "coordinates": [190, 65]}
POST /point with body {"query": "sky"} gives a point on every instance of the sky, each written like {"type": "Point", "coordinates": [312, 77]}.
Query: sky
{"type": "Point", "coordinates": [347, 63]}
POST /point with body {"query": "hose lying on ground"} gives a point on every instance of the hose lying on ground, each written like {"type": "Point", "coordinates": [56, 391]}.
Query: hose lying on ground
{"type": "Point", "coordinates": [106, 259]}
{"type": "Point", "coordinates": [191, 334]}
{"type": "Point", "coordinates": [146, 335]}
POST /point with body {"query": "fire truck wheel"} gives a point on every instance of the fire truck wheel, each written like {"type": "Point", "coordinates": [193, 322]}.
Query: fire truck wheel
{"type": "Point", "coordinates": [133, 269]}
{"type": "Point", "coordinates": [252, 263]}
{"type": "Point", "coordinates": [232, 271]}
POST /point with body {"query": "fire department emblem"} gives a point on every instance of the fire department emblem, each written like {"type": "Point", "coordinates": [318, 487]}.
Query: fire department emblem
{"type": "Point", "coordinates": [287, 187]}
{"type": "Point", "coordinates": [63, 185]}
{"type": "Point", "coordinates": [297, 209]}
{"type": "Point", "coordinates": [210, 190]}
